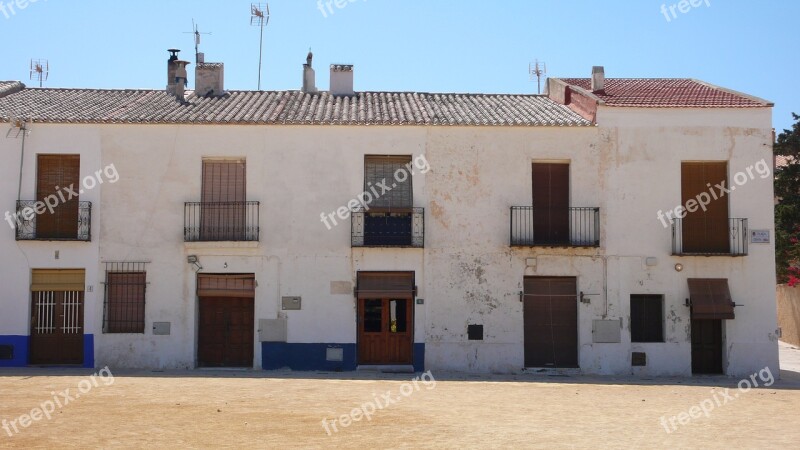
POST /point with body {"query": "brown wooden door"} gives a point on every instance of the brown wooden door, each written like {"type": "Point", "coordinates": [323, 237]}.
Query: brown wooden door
{"type": "Point", "coordinates": [226, 332]}
{"type": "Point", "coordinates": [707, 347]}
{"type": "Point", "coordinates": [385, 331]}
{"type": "Point", "coordinates": [55, 173]}
{"type": "Point", "coordinates": [705, 231]}
{"type": "Point", "coordinates": [57, 328]}
{"type": "Point", "coordinates": [551, 203]}
{"type": "Point", "coordinates": [223, 212]}
{"type": "Point", "coordinates": [551, 322]}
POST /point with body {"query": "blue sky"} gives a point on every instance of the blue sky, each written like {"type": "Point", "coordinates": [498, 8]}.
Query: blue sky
{"type": "Point", "coordinates": [414, 45]}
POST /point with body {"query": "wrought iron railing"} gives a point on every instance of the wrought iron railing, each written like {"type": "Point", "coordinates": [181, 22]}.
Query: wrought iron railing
{"type": "Point", "coordinates": [400, 228]}
{"type": "Point", "coordinates": [36, 221]}
{"type": "Point", "coordinates": [709, 237]}
{"type": "Point", "coordinates": [556, 227]}
{"type": "Point", "coordinates": [225, 221]}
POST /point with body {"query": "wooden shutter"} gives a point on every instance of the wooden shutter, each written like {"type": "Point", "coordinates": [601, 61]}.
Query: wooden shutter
{"type": "Point", "coordinates": [647, 323]}
{"type": "Point", "coordinates": [54, 173]}
{"type": "Point", "coordinates": [711, 299]}
{"type": "Point", "coordinates": [551, 203]}
{"type": "Point", "coordinates": [385, 285]}
{"type": "Point", "coordinates": [382, 170]}
{"type": "Point", "coordinates": [66, 280]}
{"type": "Point", "coordinates": [223, 212]}
{"type": "Point", "coordinates": [550, 317]}
{"type": "Point", "coordinates": [705, 231]}
{"type": "Point", "coordinates": [125, 300]}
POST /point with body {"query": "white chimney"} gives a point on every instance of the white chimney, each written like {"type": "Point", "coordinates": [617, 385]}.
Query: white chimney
{"type": "Point", "coordinates": [209, 79]}
{"type": "Point", "coordinates": [342, 80]}
{"type": "Point", "coordinates": [598, 78]}
{"type": "Point", "coordinates": [309, 76]}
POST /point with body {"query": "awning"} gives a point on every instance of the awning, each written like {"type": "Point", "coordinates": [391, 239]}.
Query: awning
{"type": "Point", "coordinates": [58, 280]}
{"type": "Point", "coordinates": [385, 285]}
{"type": "Point", "coordinates": [711, 299]}
{"type": "Point", "coordinates": [236, 286]}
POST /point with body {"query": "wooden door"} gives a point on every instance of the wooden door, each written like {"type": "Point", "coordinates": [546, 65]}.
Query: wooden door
{"type": "Point", "coordinates": [57, 328]}
{"type": "Point", "coordinates": [551, 204]}
{"type": "Point", "coordinates": [54, 174]}
{"type": "Point", "coordinates": [385, 331]}
{"type": "Point", "coordinates": [705, 231]}
{"type": "Point", "coordinates": [550, 313]}
{"type": "Point", "coordinates": [226, 332]}
{"type": "Point", "coordinates": [707, 347]}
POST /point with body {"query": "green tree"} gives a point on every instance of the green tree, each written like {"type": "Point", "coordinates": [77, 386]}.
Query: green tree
{"type": "Point", "coordinates": [787, 212]}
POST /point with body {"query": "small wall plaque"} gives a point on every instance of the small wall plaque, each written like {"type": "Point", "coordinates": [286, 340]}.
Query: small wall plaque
{"type": "Point", "coordinates": [760, 236]}
{"type": "Point", "coordinates": [291, 303]}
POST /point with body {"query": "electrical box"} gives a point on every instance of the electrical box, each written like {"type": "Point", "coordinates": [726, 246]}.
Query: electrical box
{"type": "Point", "coordinates": [162, 328]}
{"type": "Point", "coordinates": [273, 330]}
{"type": "Point", "coordinates": [335, 354]}
{"type": "Point", "coordinates": [639, 359]}
{"type": "Point", "coordinates": [475, 332]}
{"type": "Point", "coordinates": [291, 303]}
{"type": "Point", "coordinates": [6, 352]}
{"type": "Point", "coordinates": [607, 331]}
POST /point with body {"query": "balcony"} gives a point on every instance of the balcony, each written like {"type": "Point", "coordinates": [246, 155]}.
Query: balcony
{"type": "Point", "coordinates": [708, 237]}
{"type": "Point", "coordinates": [561, 227]}
{"type": "Point", "coordinates": [221, 222]}
{"type": "Point", "coordinates": [398, 228]}
{"type": "Point", "coordinates": [71, 221]}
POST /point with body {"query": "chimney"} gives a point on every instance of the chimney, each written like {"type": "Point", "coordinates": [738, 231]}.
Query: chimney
{"type": "Point", "coordinates": [209, 79]}
{"type": "Point", "coordinates": [176, 74]}
{"type": "Point", "coordinates": [598, 78]}
{"type": "Point", "coordinates": [342, 80]}
{"type": "Point", "coordinates": [309, 76]}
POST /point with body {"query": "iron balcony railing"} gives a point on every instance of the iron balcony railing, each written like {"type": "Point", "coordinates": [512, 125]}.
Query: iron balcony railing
{"type": "Point", "coordinates": [397, 228]}
{"type": "Point", "coordinates": [218, 222]}
{"type": "Point", "coordinates": [555, 227]}
{"type": "Point", "coordinates": [709, 237]}
{"type": "Point", "coordinates": [35, 221]}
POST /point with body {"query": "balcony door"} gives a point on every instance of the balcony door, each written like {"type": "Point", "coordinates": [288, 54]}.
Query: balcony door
{"type": "Point", "coordinates": [705, 231]}
{"type": "Point", "coordinates": [551, 203]}
{"type": "Point", "coordinates": [389, 221]}
{"type": "Point", "coordinates": [223, 209]}
{"type": "Point", "coordinates": [55, 173]}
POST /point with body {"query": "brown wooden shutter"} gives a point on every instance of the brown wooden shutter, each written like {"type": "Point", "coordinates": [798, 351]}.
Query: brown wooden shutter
{"type": "Point", "coordinates": [705, 231]}
{"type": "Point", "coordinates": [223, 213]}
{"type": "Point", "coordinates": [382, 169]}
{"type": "Point", "coordinates": [385, 285]}
{"type": "Point", "coordinates": [54, 173]}
{"type": "Point", "coordinates": [67, 280]}
{"type": "Point", "coordinates": [551, 203]}
{"type": "Point", "coordinates": [125, 302]}
{"type": "Point", "coordinates": [711, 299]}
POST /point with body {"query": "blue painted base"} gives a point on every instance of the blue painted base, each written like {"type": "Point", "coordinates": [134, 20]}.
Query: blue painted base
{"type": "Point", "coordinates": [312, 357]}
{"type": "Point", "coordinates": [21, 349]}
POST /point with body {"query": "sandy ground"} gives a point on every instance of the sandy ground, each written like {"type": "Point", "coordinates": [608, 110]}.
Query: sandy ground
{"type": "Point", "coordinates": [205, 409]}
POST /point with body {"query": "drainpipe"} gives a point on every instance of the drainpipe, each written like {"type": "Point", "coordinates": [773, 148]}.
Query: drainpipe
{"type": "Point", "coordinates": [24, 128]}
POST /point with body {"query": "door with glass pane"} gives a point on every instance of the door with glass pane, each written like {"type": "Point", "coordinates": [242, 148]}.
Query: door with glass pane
{"type": "Point", "coordinates": [385, 331]}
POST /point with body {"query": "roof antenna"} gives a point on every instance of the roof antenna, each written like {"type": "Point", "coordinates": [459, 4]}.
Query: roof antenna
{"type": "Point", "coordinates": [537, 70]}
{"type": "Point", "coordinates": [196, 31]}
{"type": "Point", "coordinates": [259, 17]}
{"type": "Point", "coordinates": [40, 70]}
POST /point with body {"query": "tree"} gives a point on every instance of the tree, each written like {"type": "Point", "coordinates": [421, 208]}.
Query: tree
{"type": "Point", "coordinates": [787, 211]}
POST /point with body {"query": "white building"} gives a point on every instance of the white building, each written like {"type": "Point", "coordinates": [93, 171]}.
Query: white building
{"type": "Point", "coordinates": [504, 232]}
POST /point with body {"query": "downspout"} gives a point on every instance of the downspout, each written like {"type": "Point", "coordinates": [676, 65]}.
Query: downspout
{"type": "Point", "coordinates": [24, 128]}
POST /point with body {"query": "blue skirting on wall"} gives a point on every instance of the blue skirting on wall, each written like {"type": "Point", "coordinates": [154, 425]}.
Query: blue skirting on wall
{"type": "Point", "coordinates": [313, 357]}
{"type": "Point", "coordinates": [20, 347]}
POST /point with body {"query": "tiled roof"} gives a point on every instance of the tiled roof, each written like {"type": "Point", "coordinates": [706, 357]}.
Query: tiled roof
{"type": "Point", "coordinates": [10, 87]}
{"type": "Point", "coordinates": [667, 93]}
{"type": "Point", "coordinates": [286, 108]}
{"type": "Point", "coordinates": [783, 161]}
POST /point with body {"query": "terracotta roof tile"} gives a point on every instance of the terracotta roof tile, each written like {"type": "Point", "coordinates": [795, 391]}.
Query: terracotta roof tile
{"type": "Point", "coordinates": [667, 93]}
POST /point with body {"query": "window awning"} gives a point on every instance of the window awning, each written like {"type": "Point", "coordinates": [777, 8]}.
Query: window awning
{"type": "Point", "coordinates": [385, 285]}
{"type": "Point", "coordinates": [231, 286]}
{"type": "Point", "coordinates": [711, 299]}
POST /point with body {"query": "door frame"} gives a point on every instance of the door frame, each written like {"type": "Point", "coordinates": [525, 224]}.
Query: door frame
{"type": "Point", "coordinates": [577, 323]}
{"type": "Point", "coordinates": [386, 332]}
{"type": "Point", "coordinates": [720, 345]}
{"type": "Point", "coordinates": [58, 337]}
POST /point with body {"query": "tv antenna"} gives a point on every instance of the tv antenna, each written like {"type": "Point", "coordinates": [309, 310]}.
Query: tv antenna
{"type": "Point", "coordinates": [537, 70]}
{"type": "Point", "coordinates": [40, 70]}
{"type": "Point", "coordinates": [259, 17]}
{"type": "Point", "coordinates": [196, 34]}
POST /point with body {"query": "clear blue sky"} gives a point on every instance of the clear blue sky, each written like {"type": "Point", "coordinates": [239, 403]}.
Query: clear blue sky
{"type": "Point", "coordinates": [415, 45]}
